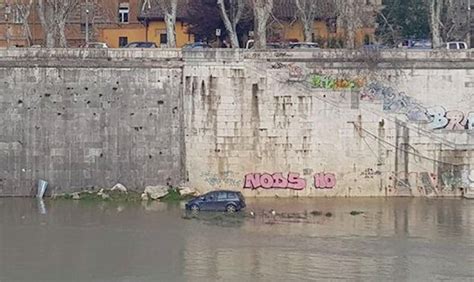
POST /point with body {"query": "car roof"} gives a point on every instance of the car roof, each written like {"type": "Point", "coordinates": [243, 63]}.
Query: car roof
{"type": "Point", "coordinates": [228, 191]}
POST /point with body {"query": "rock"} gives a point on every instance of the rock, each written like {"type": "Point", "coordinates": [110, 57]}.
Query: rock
{"type": "Point", "coordinates": [76, 196]}
{"type": "Point", "coordinates": [145, 197]}
{"type": "Point", "coordinates": [187, 191]}
{"type": "Point", "coordinates": [119, 187]}
{"type": "Point", "coordinates": [105, 196]}
{"type": "Point", "coordinates": [156, 192]}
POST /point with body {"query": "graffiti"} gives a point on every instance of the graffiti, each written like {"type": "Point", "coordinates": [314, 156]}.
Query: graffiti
{"type": "Point", "coordinates": [399, 102]}
{"type": "Point", "coordinates": [324, 180]}
{"type": "Point", "coordinates": [225, 178]}
{"type": "Point", "coordinates": [328, 82]}
{"type": "Point", "coordinates": [395, 102]}
{"type": "Point", "coordinates": [291, 181]}
{"type": "Point", "coordinates": [296, 72]}
{"type": "Point", "coordinates": [370, 173]}
{"type": "Point", "coordinates": [276, 180]}
{"type": "Point", "coordinates": [450, 120]}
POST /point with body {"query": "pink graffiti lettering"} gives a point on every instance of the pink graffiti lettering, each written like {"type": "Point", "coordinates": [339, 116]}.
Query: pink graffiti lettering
{"type": "Point", "coordinates": [324, 180]}
{"type": "Point", "coordinates": [252, 180]}
{"type": "Point", "coordinates": [295, 182]}
{"type": "Point", "coordinates": [276, 181]}
{"type": "Point", "coordinates": [266, 181]}
{"type": "Point", "coordinates": [456, 120]}
{"type": "Point", "coordinates": [280, 181]}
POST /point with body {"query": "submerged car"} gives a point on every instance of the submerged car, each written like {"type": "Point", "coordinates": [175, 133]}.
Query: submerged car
{"type": "Point", "coordinates": [222, 200]}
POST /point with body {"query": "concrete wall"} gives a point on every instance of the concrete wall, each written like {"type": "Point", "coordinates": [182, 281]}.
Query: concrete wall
{"type": "Point", "coordinates": [81, 127]}
{"type": "Point", "coordinates": [322, 123]}
{"type": "Point", "coordinates": [396, 123]}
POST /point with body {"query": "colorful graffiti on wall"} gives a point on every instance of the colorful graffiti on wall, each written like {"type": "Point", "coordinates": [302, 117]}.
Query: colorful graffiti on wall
{"type": "Point", "coordinates": [226, 178]}
{"type": "Point", "coordinates": [291, 181]}
{"type": "Point", "coordinates": [398, 102]}
{"type": "Point", "coordinates": [428, 183]}
{"type": "Point", "coordinates": [331, 83]}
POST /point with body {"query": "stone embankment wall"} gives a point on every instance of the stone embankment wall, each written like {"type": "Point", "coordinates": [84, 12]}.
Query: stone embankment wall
{"type": "Point", "coordinates": [331, 123]}
{"type": "Point", "coordinates": [83, 119]}
{"type": "Point", "coordinates": [322, 123]}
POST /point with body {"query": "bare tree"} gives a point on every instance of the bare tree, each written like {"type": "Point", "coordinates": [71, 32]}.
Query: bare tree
{"type": "Point", "coordinates": [53, 15]}
{"type": "Point", "coordinates": [307, 10]}
{"type": "Point", "coordinates": [436, 7]}
{"type": "Point", "coordinates": [169, 9]}
{"type": "Point", "coordinates": [231, 12]}
{"type": "Point", "coordinates": [23, 8]}
{"type": "Point", "coordinates": [350, 13]}
{"type": "Point", "coordinates": [262, 11]}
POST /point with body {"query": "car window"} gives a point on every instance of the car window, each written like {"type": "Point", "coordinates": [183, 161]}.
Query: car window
{"type": "Point", "coordinates": [232, 196]}
{"type": "Point", "coordinates": [211, 197]}
{"type": "Point", "coordinates": [462, 46]}
{"type": "Point", "coordinates": [453, 46]}
{"type": "Point", "coordinates": [222, 196]}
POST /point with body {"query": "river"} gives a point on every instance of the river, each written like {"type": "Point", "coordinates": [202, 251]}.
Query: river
{"type": "Point", "coordinates": [396, 239]}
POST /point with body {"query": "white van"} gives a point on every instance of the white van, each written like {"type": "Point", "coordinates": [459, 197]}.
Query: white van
{"type": "Point", "coordinates": [456, 45]}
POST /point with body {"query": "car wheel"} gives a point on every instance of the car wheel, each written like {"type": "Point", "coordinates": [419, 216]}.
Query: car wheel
{"type": "Point", "coordinates": [231, 208]}
{"type": "Point", "coordinates": [194, 208]}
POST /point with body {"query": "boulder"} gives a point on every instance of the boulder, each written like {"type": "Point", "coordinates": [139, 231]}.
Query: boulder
{"type": "Point", "coordinates": [156, 192]}
{"type": "Point", "coordinates": [119, 187]}
{"type": "Point", "coordinates": [105, 196]}
{"type": "Point", "coordinates": [76, 196]}
{"type": "Point", "coordinates": [144, 197]}
{"type": "Point", "coordinates": [187, 191]}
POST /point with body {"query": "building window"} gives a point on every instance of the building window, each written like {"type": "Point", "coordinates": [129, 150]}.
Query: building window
{"type": "Point", "coordinates": [124, 11]}
{"type": "Point", "coordinates": [163, 38]}
{"type": "Point", "coordinates": [123, 40]}
{"type": "Point", "coordinates": [83, 27]}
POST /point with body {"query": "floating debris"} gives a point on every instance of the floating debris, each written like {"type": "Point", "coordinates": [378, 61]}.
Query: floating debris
{"type": "Point", "coordinates": [356, 212]}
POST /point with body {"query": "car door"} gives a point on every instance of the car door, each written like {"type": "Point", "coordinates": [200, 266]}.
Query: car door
{"type": "Point", "coordinates": [209, 202]}
{"type": "Point", "coordinates": [221, 201]}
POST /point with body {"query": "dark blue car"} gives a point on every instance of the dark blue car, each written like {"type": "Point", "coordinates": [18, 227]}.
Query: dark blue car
{"type": "Point", "coordinates": [223, 200]}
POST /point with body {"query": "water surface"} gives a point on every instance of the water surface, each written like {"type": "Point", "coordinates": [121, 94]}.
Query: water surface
{"type": "Point", "coordinates": [394, 239]}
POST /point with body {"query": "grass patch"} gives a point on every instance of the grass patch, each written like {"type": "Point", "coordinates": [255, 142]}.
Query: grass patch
{"type": "Point", "coordinates": [174, 196]}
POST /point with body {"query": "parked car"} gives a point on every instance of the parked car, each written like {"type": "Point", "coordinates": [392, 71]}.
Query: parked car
{"type": "Point", "coordinates": [222, 200]}
{"type": "Point", "coordinates": [197, 45]}
{"type": "Point", "coordinates": [270, 45]}
{"type": "Point", "coordinates": [416, 44]}
{"type": "Point", "coordinates": [99, 45]}
{"type": "Point", "coordinates": [374, 46]}
{"type": "Point", "coordinates": [456, 45]}
{"type": "Point", "coordinates": [304, 45]}
{"type": "Point", "coordinates": [141, 45]}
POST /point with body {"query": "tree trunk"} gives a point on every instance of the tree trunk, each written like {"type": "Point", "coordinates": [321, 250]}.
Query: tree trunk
{"type": "Point", "coordinates": [231, 27]}
{"type": "Point", "coordinates": [46, 16]}
{"type": "Point", "coordinates": [262, 10]}
{"type": "Point", "coordinates": [61, 25]}
{"type": "Point", "coordinates": [308, 30]}
{"type": "Point", "coordinates": [435, 11]}
{"type": "Point", "coordinates": [170, 30]}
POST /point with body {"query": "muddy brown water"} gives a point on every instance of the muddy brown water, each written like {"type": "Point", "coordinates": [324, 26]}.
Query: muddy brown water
{"type": "Point", "coordinates": [394, 239]}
